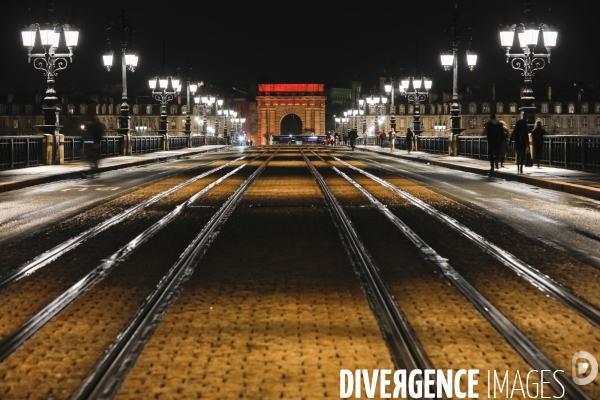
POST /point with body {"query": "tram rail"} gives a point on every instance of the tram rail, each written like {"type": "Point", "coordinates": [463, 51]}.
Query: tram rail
{"type": "Point", "coordinates": [26, 330]}
{"type": "Point", "coordinates": [533, 355]}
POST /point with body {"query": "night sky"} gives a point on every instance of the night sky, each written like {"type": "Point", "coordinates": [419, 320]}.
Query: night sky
{"type": "Point", "coordinates": [302, 41]}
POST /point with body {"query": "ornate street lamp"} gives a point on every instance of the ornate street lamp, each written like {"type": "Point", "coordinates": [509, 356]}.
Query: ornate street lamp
{"type": "Point", "coordinates": [528, 61]}
{"type": "Point", "coordinates": [416, 91]}
{"type": "Point", "coordinates": [50, 61]}
{"type": "Point", "coordinates": [204, 103]}
{"type": "Point", "coordinates": [391, 91]}
{"type": "Point", "coordinates": [224, 114]}
{"type": "Point", "coordinates": [164, 89]}
{"type": "Point", "coordinates": [129, 60]}
{"type": "Point", "coordinates": [363, 104]}
{"type": "Point", "coordinates": [449, 60]}
{"type": "Point", "coordinates": [191, 90]}
{"type": "Point", "coordinates": [378, 102]}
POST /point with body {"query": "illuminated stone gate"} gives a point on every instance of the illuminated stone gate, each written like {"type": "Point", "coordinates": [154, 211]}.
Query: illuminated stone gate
{"type": "Point", "coordinates": [275, 101]}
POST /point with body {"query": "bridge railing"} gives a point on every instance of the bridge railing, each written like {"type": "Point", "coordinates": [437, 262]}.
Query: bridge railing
{"type": "Point", "coordinates": [178, 142]}
{"type": "Point", "coordinates": [21, 151]}
{"type": "Point", "coordinates": [146, 144]}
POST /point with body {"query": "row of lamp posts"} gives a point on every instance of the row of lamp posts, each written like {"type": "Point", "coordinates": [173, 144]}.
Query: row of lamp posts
{"type": "Point", "coordinates": [527, 61]}
{"type": "Point", "coordinates": [57, 43]}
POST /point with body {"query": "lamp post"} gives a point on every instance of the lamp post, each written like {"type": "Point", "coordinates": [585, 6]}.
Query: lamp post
{"type": "Point", "coordinates": [129, 60]}
{"type": "Point", "coordinates": [391, 90]}
{"type": "Point", "coordinates": [164, 89]}
{"type": "Point", "coordinates": [527, 61]}
{"type": "Point", "coordinates": [416, 91]}
{"type": "Point", "coordinates": [362, 103]}
{"type": "Point", "coordinates": [204, 103]}
{"type": "Point", "coordinates": [191, 90]}
{"type": "Point", "coordinates": [50, 61]}
{"type": "Point", "coordinates": [379, 103]}
{"type": "Point", "coordinates": [450, 61]}
{"type": "Point", "coordinates": [225, 114]}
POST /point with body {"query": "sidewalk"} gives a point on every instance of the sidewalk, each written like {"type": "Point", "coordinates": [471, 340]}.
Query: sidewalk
{"type": "Point", "coordinates": [13, 179]}
{"type": "Point", "coordinates": [580, 183]}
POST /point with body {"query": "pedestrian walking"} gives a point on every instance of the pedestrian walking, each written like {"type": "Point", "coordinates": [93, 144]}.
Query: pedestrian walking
{"type": "Point", "coordinates": [409, 139]}
{"type": "Point", "coordinates": [352, 136]}
{"type": "Point", "coordinates": [93, 132]}
{"type": "Point", "coordinates": [391, 138]}
{"type": "Point", "coordinates": [521, 138]}
{"type": "Point", "coordinates": [537, 136]}
{"type": "Point", "coordinates": [494, 134]}
{"type": "Point", "coordinates": [504, 140]}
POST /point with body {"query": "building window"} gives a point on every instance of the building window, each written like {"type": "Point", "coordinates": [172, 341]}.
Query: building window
{"type": "Point", "coordinates": [103, 109]}
{"type": "Point", "coordinates": [445, 108]}
{"type": "Point", "coordinates": [512, 108]}
{"type": "Point", "coordinates": [584, 108]}
{"type": "Point", "coordinates": [402, 123]}
{"type": "Point", "coordinates": [544, 122]}
{"type": "Point", "coordinates": [2, 124]}
{"type": "Point", "coordinates": [544, 108]}
{"type": "Point", "coordinates": [2, 109]}
{"type": "Point", "coordinates": [136, 109]}
{"type": "Point", "coordinates": [28, 123]}
{"type": "Point", "coordinates": [571, 122]}
{"type": "Point", "coordinates": [422, 109]}
{"type": "Point", "coordinates": [16, 123]}
{"type": "Point", "coordinates": [173, 124]}
{"type": "Point", "coordinates": [473, 122]}
{"type": "Point", "coordinates": [432, 109]}
{"type": "Point", "coordinates": [111, 109]}
{"type": "Point", "coordinates": [472, 108]}
{"type": "Point", "coordinates": [83, 109]}
{"type": "Point", "coordinates": [499, 108]}
{"type": "Point", "coordinates": [15, 109]}
{"type": "Point", "coordinates": [597, 122]}
{"type": "Point", "coordinates": [28, 109]}
{"type": "Point", "coordinates": [485, 121]}
{"type": "Point", "coordinates": [557, 122]}
{"type": "Point", "coordinates": [571, 108]}
{"type": "Point", "coordinates": [584, 122]}
{"type": "Point", "coordinates": [70, 109]}
{"type": "Point", "coordinates": [411, 109]}
{"type": "Point", "coordinates": [173, 110]}
{"type": "Point", "coordinates": [184, 110]}
{"type": "Point", "coordinates": [558, 108]}
{"type": "Point", "coordinates": [596, 109]}
{"type": "Point", "coordinates": [148, 109]}
{"type": "Point", "coordinates": [513, 122]}
{"type": "Point", "coordinates": [485, 108]}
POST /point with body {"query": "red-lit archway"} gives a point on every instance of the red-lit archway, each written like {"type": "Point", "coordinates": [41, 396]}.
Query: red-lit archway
{"type": "Point", "coordinates": [275, 101]}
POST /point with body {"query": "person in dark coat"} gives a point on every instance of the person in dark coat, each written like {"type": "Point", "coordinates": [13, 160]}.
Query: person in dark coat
{"type": "Point", "coordinates": [504, 140]}
{"type": "Point", "coordinates": [494, 134]}
{"type": "Point", "coordinates": [538, 140]}
{"type": "Point", "coordinates": [521, 138]}
{"type": "Point", "coordinates": [409, 139]}
{"type": "Point", "coordinates": [93, 132]}
{"type": "Point", "coordinates": [352, 136]}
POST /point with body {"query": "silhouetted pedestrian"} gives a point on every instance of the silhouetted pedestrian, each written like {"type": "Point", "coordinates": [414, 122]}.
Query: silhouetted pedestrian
{"type": "Point", "coordinates": [92, 136]}
{"type": "Point", "coordinates": [352, 136]}
{"type": "Point", "coordinates": [537, 135]}
{"type": "Point", "coordinates": [494, 133]}
{"type": "Point", "coordinates": [409, 139]}
{"type": "Point", "coordinates": [521, 138]}
{"type": "Point", "coordinates": [503, 148]}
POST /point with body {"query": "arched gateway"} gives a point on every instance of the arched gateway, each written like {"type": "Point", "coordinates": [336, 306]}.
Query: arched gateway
{"type": "Point", "coordinates": [275, 102]}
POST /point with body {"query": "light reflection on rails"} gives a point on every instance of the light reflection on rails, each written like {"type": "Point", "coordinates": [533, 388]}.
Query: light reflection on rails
{"type": "Point", "coordinates": [535, 357]}
{"type": "Point", "coordinates": [104, 380]}
{"type": "Point", "coordinates": [406, 350]}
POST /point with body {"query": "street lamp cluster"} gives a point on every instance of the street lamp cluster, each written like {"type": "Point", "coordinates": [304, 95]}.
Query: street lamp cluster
{"type": "Point", "coordinates": [50, 61]}
{"type": "Point", "coordinates": [527, 61]}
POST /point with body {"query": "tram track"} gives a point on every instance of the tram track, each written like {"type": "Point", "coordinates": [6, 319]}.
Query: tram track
{"type": "Point", "coordinates": [529, 273]}
{"type": "Point", "coordinates": [51, 255]}
{"type": "Point", "coordinates": [525, 347]}
{"type": "Point", "coordinates": [405, 348]}
{"type": "Point", "coordinates": [20, 336]}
